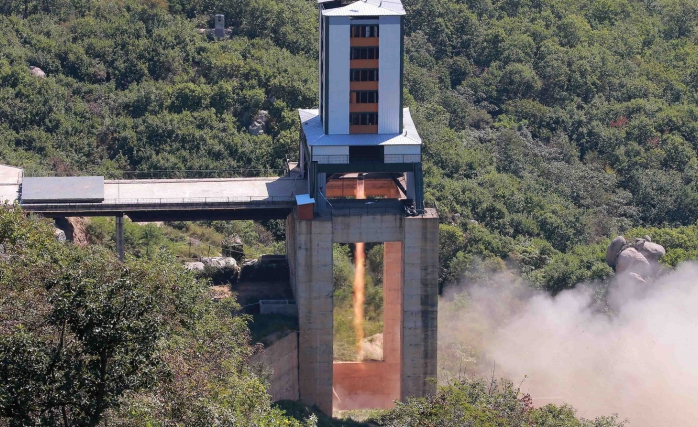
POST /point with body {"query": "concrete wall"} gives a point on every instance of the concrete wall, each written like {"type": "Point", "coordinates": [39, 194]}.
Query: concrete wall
{"type": "Point", "coordinates": [420, 304]}
{"type": "Point", "coordinates": [311, 280]}
{"type": "Point", "coordinates": [368, 228]}
{"type": "Point", "coordinates": [282, 359]}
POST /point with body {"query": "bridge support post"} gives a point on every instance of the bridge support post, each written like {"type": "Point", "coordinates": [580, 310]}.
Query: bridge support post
{"type": "Point", "coordinates": [120, 237]}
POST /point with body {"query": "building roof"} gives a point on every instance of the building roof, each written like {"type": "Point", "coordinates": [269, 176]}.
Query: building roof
{"type": "Point", "coordinates": [367, 8]}
{"type": "Point", "coordinates": [315, 133]}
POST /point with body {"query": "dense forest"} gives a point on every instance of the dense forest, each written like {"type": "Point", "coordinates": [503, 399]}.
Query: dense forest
{"type": "Point", "coordinates": [549, 126]}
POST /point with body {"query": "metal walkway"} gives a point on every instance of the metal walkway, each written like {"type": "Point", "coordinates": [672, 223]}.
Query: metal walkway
{"type": "Point", "coordinates": [180, 199]}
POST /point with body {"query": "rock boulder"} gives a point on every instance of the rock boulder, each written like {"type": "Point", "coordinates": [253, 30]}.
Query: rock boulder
{"type": "Point", "coordinates": [614, 249]}
{"type": "Point", "coordinates": [259, 126]}
{"type": "Point", "coordinates": [632, 261]}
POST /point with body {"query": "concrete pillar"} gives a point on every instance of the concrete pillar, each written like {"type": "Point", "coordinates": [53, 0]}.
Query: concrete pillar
{"type": "Point", "coordinates": [312, 282]}
{"type": "Point", "coordinates": [420, 304]}
{"type": "Point", "coordinates": [392, 316]}
{"type": "Point", "coordinates": [120, 237]}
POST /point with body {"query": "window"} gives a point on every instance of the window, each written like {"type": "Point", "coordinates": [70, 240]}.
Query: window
{"type": "Point", "coordinates": [364, 53]}
{"type": "Point", "coordinates": [365, 97]}
{"type": "Point", "coordinates": [363, 119]}
{"type": "Point", "coordinates": [364, 30]}
{"type": "Point", "coordinates": [364, 75]}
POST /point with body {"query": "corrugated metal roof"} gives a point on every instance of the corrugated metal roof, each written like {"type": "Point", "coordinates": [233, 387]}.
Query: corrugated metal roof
{"type": "Point", "coordinates": [315, 134]}
{"type": "Point", "coordinates": [368, 8]}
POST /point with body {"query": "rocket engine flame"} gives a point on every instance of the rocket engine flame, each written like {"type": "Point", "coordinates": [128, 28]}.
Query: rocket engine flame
{"type": "Point", "coordinates": [359, 283]}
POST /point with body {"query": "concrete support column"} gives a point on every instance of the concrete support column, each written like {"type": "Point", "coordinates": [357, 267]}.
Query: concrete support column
{"type": "Point", "coordinates": [312, 282]}
{"type": "Point", "coordinates": [392, 316]}
{"type": "Point", "coordinates": [420, 304]}
{"type": "Point", "coordinates": [120, 237]}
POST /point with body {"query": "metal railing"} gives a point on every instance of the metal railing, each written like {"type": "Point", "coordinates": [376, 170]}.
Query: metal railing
{"type": "Point", "coordinates": [344, 211]}
{"type": "Point", "coordinates": [402, 158]}
{"type": "Point", "coordinates": [166, 174]}
{"type": "Point", "coordinates": [189, 201]}
{"type": "Point", "coordinates": [387, 158]}
{"type": "Point", "coordinates": [331, 159]}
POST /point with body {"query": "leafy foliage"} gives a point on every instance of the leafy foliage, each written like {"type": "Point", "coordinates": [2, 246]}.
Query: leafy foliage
{"type": "Point", "coordinates": [84, 338]}
{"type": "Point", "coordinates": [482, 404]}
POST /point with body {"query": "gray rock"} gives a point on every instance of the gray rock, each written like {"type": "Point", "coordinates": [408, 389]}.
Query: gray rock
{"type": "Point", "coordinates": [36, 71]}
{"type": "Point", "coordinates": [194, 266]}
{"type": "Point", "coordinates": [59, 235]}
{"type": "Point", "coordinates": [220, 262]}
{"type": "Point", "coordinates": [632, 261]}
{"type": "Point", "coordinates": [258, 127]}
{"type": "Point", "coordinates": [652, 251]}
{"type": "Point", "coordinates": [614, 249]}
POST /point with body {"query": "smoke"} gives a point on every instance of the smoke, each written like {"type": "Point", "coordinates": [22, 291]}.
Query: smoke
{"type": "Point", "coordinates": [638, 359]}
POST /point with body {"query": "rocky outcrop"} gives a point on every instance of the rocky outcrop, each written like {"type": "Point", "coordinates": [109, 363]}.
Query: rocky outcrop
{"type": "Point", "coordinates": [220, 262]}
{"type": "Point", "coordinates": [632, 261]}
{"type": "Point", "coordinates": [259, 126]}
{"type": "Point", "coordinates": [74, 229]}
{"type": "Point", "coordinates": [37, 72]}
{"type": "Point", "coordinates": [614, 250]}
{"type": "Point", "coordinates": [59, 235]}
{"type": "Point", "coordinates": [194, 266]}
{"type": "Point", "coordinates": [638, 260]}
{"type": "Point", "coordinates": [214, 262]}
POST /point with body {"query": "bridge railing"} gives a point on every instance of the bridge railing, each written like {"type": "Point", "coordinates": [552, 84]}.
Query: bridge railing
{"type": "Point", "coordinates": [188, 201]}
{"type": "Point", "coordinates": [166, 174]}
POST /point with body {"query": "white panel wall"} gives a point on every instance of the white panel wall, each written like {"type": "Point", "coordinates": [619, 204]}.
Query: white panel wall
{"type": "Point", "coordinates": [334, 150]}
{"type": "Point", "coordinates": [389, 75]}
{"type": "Point", "coordinates": [402, 149]}
{"type": "Point", "coordinates": [402, 153]}
{"type": "Point", "coordinates": [338, 82]}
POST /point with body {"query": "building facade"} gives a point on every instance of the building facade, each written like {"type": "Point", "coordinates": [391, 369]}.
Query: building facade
{"type": "Point", "coordinates": [360, 126]}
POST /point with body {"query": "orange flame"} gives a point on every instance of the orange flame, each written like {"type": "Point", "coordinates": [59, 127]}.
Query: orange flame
{"type": "Point", "coordinates": [359, 284]}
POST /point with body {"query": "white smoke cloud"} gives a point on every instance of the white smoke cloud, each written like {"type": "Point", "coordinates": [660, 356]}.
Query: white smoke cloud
{"type": "Point", "coordinates": [640, 362]}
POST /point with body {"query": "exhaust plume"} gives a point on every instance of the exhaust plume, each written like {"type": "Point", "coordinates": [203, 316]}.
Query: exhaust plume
{"type": "Point", "coordinates": [640, 361]}
{"type": "Point", "coordinates": [359, 284]}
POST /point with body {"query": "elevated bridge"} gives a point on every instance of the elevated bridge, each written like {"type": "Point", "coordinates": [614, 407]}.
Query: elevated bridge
{"type": "Point", "coordinates": [179, 199]}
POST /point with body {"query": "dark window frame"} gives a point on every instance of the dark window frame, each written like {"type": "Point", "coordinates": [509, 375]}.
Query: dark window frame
{"type": "Point", "coordinates": [364, 96]}
{"type": "Point", "coordinates": [363, 119]}
{"type": "Point", "coordinates": [362, 31]}
{"type": "Point", "coordinates": [364, 53]}
{"type": "Point", "coordinates": [363, 75]}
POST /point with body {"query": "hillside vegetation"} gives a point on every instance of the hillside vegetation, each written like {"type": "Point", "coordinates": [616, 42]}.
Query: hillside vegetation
{"type": "Point", "coordinates": [548, 126]}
